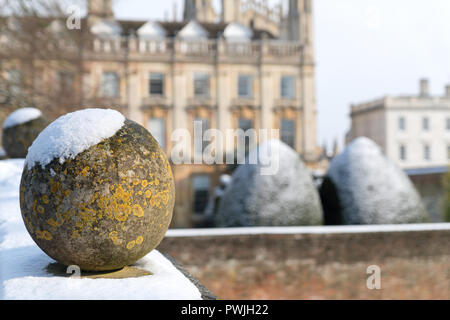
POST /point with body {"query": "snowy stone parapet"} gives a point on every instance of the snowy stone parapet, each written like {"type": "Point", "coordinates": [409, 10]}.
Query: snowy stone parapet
{"type": "Point", "coordinates": [25, 272]}
{"type": "Point", "coordinates": [286, 198]}
{"type": "Point", "coordinates": [21, 116]}
{"type": "Point", "coordinates": [307, 230]}
{"type": "Point", "coordinates": [362, 186]}
{"type": "Point", "coordinates": [72, 134]}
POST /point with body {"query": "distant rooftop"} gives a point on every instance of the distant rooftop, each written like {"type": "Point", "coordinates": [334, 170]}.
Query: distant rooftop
{"type": "Point", "coordinates": [421, 100]}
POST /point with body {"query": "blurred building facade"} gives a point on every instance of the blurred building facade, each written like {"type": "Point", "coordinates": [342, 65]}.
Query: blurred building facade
{"type": "Point", "coordinates": [248, 66]}
{"type": "Point", "coordinates": [414, 132]}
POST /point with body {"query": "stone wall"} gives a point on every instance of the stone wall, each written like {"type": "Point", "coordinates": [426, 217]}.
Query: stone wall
{"type": "Point", "coordinates": [317, 262]}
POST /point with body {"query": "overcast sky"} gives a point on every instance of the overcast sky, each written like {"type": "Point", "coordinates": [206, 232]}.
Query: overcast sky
{"type": "Point", "coordinates": [364, 49]}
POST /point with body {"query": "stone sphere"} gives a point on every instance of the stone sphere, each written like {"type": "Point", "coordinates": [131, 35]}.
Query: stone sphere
{"type": "Point", "coordinates": [20, 129]}
{"type": "Point", "coordinates": [284, 196]}
{"type": "Point", "coordinates": [362, 186]}
{"type": "Point", "coordinates": [95, 196]}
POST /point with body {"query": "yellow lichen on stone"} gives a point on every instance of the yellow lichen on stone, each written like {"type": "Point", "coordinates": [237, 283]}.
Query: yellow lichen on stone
{"type": "Point", "coordinates": [138, 211]}
{"type": "Point", "coordinates": [44, 235]}
{"type": "Point", "coordinates": [160, 198]}
{"type": "Point", "coordinates": [131, 244]}
{"type": "Point", "coordinates": [34, 206]}
{"type": "Point", "coordinates": [45, 199]}
{"type": "Point", "coordinates": [118, 205]}
{"type": "Point", "coordinates": [85, 171]}
{"type": "Point", "coordinates": [40, 209]}
{"type": "Point", "coordinates": [88, 216]}
{"type": "Point", "coordinates": [54, 186]}
{"type": "Point", "coordinates": [114, 236]}
{"type": "Point", "coordinates": [55, 224]}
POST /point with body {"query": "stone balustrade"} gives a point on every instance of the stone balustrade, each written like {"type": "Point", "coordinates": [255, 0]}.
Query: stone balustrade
{"type": "Point", "coordinates": [197, 48]}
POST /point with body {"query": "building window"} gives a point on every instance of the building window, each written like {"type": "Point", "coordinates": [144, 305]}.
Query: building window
{"type": "Point", "coordinates": [288, 132]}
{"type": "Point", "coordinates": [110, 84]}
{"type": "Point", "coordinates": [15, 81]}
{"type": "Point", "coordinates": [245, 124]}
{"type": "Point", "coordinates": [201, 85]}
{"type": "Point", "coordinates": [156, 84]}
{"type": "Point", "coordinates": [402, 152]}
{"type": "Point", "coordinates": [426, 152]}
{"type": "Point", "coordinates": [425, 124]}
{"type": "Point", "coordinates": [245, 86]}
{"type": "Point", "coordinates": [199, 143]}
{"type": "Point", "coordinates": [201, 185]}
{"type": "Point", "coordinates": [157, 127]}
{"type": "Point", "coordinates": [65, 81]}
{"type": "Point", "coordinates": [288, 87]}
{"type": "Point", "coordinates": [402, 123]}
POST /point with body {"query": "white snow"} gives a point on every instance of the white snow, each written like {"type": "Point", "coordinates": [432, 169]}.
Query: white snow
{"type": "Point", "coordinates": [23, 265]}
{"type": "Point", "coordinates": [107, 29]}
{"type": "Point", "coordinates": [375, 228]}
{"type": "Point", "coordinates": [287, 197]}
{"type": "Point", "coordinates": [20, 116]}
{"type": "Point", "coordinates": [25, 278]}
{"type": "Point", "coordinates": [237, 32]}
{"type": "Point", "coordinates": [152, 30]}
{"type": "Point", "coordinates": [371, 188]}
{"type": "Point", "coordinates": [72, 134]}
{"type": "Point", "coordinates": [2, 152]}
{"type": "Point", "coordinates": [193, 31]}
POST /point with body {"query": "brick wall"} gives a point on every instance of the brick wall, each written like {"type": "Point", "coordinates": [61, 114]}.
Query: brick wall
{"type": "Point", "coordinates": [415, 264]}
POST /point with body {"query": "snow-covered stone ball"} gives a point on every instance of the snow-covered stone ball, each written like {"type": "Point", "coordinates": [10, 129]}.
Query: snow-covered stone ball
{"type": "Point", "coordinates": [97, 191]}
{"type": "Point", "coordinates": [273, 188]}
{"type": "Point", "coordinates": [20, 129]}
{"type": "Point", "coordinates": [362, 186]}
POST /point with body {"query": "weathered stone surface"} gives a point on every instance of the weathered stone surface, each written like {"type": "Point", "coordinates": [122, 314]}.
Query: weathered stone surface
{"type": "Point", "coordinates": [17, 139]}
{"type": "Point", "coordinates": [104, 209]}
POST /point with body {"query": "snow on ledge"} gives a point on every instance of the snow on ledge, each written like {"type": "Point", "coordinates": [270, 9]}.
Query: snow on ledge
{"type": "Point", "coordinates": [173, 233]}
{"type": "Point", "coordinates": [72, 134]}
{"type": "Point", "coordinates": [23, 266]}
{"type": "Point", "coordinates": [20, 116]}
{"type": "Point", "coordinates": [24, 277]}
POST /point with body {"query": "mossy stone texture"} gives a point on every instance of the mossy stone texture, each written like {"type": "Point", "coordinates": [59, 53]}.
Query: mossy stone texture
{"type": "Point", "coordinates": [104, 209]}
{"type": "Point", "coordinates": [17, 139]}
